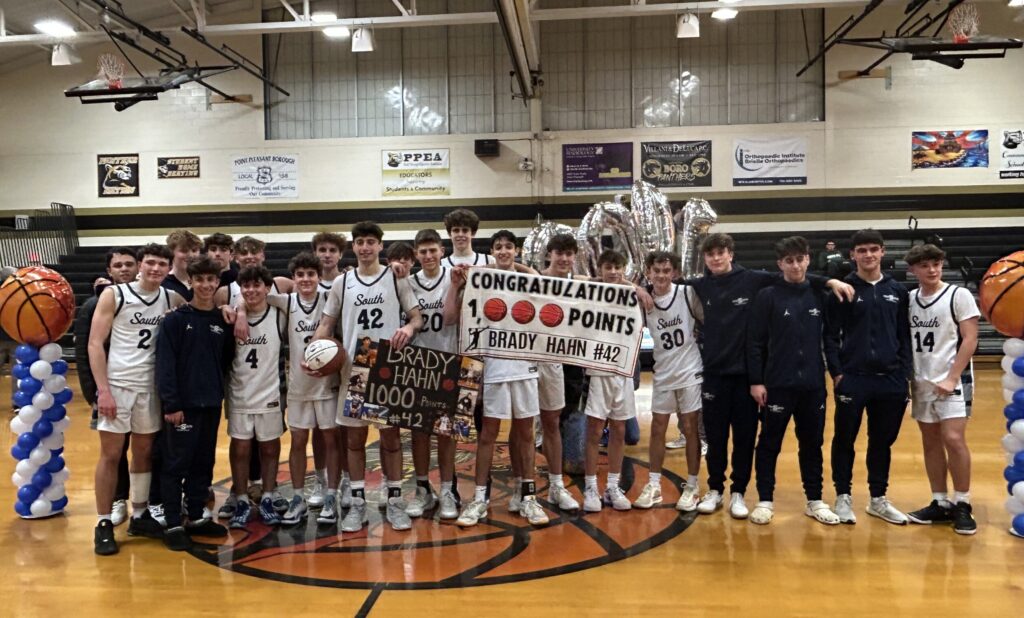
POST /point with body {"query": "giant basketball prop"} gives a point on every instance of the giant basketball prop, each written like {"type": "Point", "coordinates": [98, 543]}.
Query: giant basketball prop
{"type": "Point", "coordinates": [1002, 295]}
{"type": "Point", "coordinates": [37, 305]}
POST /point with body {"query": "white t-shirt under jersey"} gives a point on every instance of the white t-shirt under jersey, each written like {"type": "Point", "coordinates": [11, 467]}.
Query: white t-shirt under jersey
{"type": "Point", "coordinates": [473, 259]}
{"type": "Point", "coordinates": [935, 335]}
{"type": "Point", "coordinates": [131, 361]}
{"type": "Point", "coordinates": [677, 362]}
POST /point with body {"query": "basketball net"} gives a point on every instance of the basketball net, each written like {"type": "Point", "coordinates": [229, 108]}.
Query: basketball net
{"type": "Point", "coordinates": [963, 22]}
{"type": "Point", "coordinates": [111, 69]}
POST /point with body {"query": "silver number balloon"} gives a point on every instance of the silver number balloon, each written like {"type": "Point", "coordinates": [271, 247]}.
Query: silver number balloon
{"type": "Point", "coordinates": [617, 220]}
{"type": "Point", "coordinates": [652, 218]}
{"type": "Point", "coordinates": [535, 246]}
{"type": "Point", "coordinates": [693, 221]}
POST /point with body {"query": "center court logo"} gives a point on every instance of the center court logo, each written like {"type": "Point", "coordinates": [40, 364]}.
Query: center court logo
{"type": "Point", "coordinates": [435, 554]}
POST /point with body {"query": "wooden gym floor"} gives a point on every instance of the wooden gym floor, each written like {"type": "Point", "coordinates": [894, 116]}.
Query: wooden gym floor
{"type": "Point", "coordinates": [623, 564]}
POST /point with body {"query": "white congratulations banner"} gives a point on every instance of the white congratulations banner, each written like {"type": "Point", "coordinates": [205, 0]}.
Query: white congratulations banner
{"type": "Point", "coordinates": [265, 176]}
{"type": "Point", "coordinates": [769, 161]}
{"type": "Point", "coordinates": [527, 317]}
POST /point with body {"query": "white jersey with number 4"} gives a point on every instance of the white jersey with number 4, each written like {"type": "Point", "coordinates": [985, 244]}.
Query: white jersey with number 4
{"type": "Point", "coordinates": [254, 386]}
{"type": "Point", "coordinates": [677, 362]}
{"type": "Point", "coordinates": [131, 361]}
{"type": "Point", "coordinates": [303, 318]}
{"type": "Point", "coordinates": [430, 294]}
{"type": "Point", "coordinates": [935, 335]}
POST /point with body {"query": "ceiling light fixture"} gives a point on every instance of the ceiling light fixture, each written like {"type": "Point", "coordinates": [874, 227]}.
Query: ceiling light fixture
{"type": "Point", "coordinates": [64, 55]}
{"type": "Point", "coordinates": [687, 26]}
{"type": "Point", "coordinates": [336, 32]}
{"type": "Point", "coordinates": [323, 17]}
{"type": "Point", "coordinates": [362, 40]}
{"type": "Point", "coordinates": [55, 28]}
{"type": "Point", "coordinates": [1016, 3]}
{"type": "Point", "coordinates": [724, 14]}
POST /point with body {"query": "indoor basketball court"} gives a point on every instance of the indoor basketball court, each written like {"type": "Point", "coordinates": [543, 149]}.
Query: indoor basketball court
{"type": "Point", "coordinates": [167, 164]}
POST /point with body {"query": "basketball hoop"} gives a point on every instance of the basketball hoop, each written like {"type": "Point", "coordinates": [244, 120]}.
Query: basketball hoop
{"type": "Point", "coordinates": [111, 69]}
{"type": "Point", "coordinates": [963, 23]}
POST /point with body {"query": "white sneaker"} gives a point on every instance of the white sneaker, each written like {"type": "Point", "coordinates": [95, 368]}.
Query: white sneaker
{"type": "Point", "coordinates": [738, 506]}
{"type": "Point", "coordinates": [820, 511]}
{"type": "Point", "coordinates": [591, 500]}
{"type": "Point", "coordinates": [449, 508]}
{"type": "Point", "coordinates": [688, 499]}
{"type": "Point", "coordinates": [763, 513]}
{"type": "Point", "coordinates": [678, 443]}
{"type": "Point", "coordinates": [561, 497]}
{"type": "Point", "coordinates": [844, 509]}
{"type": "Point", "coordinates": [345, 494]}
{"type": "Point", "coordinates": [533, 511]}
{"type": "Point", "coordinates": [397, 515]}
{"type": "Point", "coordinates": [296, 512]}
{"type": "Point", "coordinates": [157, 511]}
{"type": "Point", "coordinates": [119, 512]}
{"type": "Point", "coordinates": [710, 503]}
{"type": "Point", "coordinates": [316, 494]}
{"type": "Point", "coordinates": [227, 510]}
{"type": "Point", "coordinates": [424, 500]}
{"type": "Point", "coordinates": [472, 514]}
{"type": "Point", "coordinates": [882, 508]}
{"type": "Point", "coordinates": [515, 503]}
{"type": "Point", "coordinates": [649, 496]}
{"type": "Point", "coordinates": [356, 517]}
{"type": "Point", "coordinates": [618, 500]}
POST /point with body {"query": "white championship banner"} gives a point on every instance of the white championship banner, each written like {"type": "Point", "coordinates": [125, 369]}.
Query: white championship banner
{"type": "Point", "coordinates": [527, 317]}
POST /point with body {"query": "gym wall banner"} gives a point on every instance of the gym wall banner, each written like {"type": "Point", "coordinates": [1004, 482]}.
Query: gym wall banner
{"type": "Point", "coordinates": [676, 164]}
{"type": "Point", "coordinates": [597, 167]}
{"type": "Point", "coordinates": [1011, 154]}
{"type": "Point", "coordinates": [406, 173]}
{"type": "Point", "coordinates": [264, 176]}
{"type": "Point", "coordinates": [177, 167]}
{"type": "Point", "coordinates": [117, 175]}
{"type": "Point", "coordinates": [769, 161]}
{"type": "Point", "coordinates": [946, 149]}
{"type": "Point", "coordinates": [548, 319]}
{"type": "Point", "coordinates": [414, 388]}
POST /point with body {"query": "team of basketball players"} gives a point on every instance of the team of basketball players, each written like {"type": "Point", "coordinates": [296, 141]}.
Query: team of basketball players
{"type": "Point", "coordinates": [179, 335]}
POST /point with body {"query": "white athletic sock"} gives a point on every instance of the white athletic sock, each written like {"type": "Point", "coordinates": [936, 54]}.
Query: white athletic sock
{"type": "Point", "coordinates": [321, 475]}
{"type": "Point", "coordinates": [590, 481]}
{"type": "Point", "coordinates": [654, 478]}
{"type": "Point", "coordinates": [480, 493]}
{"type": "Point", "coordinates": [446, 486]}
{"type": "Point", "coordinates": [100, 518]}
{"type": "Point", "coordinates": [331, 492]}
{"type": "Point", "coordinates": [139, 486]}
{"type": "Point", "coordinates": [613, 479]}
{"type": "Point", "coordinates": [692, 480]}
{"type": "Point", "coordinates": [942, 498]}
{"type": "Point", "coordinates": [358, 485]}
{"type": "Point", "coordinates": [555, 480]}
{"type": "Point", "coordinates": [962, 496]}
{"type": "Point", "coordinates": [517, 483]}
{"type": "Point", "coordinates": [422, 479]}
{"type": "Point", "coordinates": [242, 498]}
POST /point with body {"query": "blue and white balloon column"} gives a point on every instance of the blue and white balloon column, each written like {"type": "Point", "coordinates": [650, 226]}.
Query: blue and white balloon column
{"type": "Point", "coordinates": [1013, 441]}
{"type": "Point", "coordinates": [40, 424]}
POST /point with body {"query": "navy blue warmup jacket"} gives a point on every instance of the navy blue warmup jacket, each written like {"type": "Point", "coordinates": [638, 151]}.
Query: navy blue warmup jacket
{"type": "Point", "coordinates": [784, 339]}
{"type": "Point", "coordinates": [193, 352]}
{"type": "Point", "coordinates": [871, 335]}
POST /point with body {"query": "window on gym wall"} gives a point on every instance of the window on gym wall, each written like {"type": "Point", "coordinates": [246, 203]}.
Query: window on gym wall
{"type": "Point", "coordinates": [598, 74]}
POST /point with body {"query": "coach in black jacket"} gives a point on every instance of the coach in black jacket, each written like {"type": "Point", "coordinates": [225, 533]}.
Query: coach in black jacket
{"type": "Point", "coordinates": [194, 349]}
{"type": "Point", "coordinates": [786, 367]}
{"type": "Point", "coordinates": [867, 347]}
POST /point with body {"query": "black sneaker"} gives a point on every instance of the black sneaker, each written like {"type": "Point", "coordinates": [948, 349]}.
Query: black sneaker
{"type": "Point", "coordinates": [963, 521]}
{"type": "Point", "coordinates": [105, 545]}
{"type": "Point", "coordinates": [205, 527]}
{"type": "Point", "coordinates": [176, 539]}
{"type": "Point", "coordinates": [934, 513]}
{"type": "Point", "coordinates": [145, 526]}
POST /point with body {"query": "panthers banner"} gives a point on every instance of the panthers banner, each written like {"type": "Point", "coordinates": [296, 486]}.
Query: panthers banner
{"type": "Point", "coordinates": [548, 319]}
{"type": "Point", "coordinates": [118, 175]}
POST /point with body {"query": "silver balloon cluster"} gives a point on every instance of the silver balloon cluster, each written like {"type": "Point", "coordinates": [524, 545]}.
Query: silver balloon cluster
{"type": "Point", "coordinates": [693, 221]}
{"type": "Point", "coordinates": [644, 226]}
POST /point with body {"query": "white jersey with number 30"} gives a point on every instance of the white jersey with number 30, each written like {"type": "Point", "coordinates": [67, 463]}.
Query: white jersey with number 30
{"type": "Point", "coordinates": [677, 362]}
{"type": "Point", "coordinates": [131, 361]}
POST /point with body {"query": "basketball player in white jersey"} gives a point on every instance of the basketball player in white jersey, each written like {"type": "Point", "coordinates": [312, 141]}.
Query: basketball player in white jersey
{"type": "Point", "coordinates": [944, 336]}
{"type": "Point", "coordinates": [510, 393]}
{"type": "Point", "coordinates": [368, 302]}
{"type": "Point", "coordinates": [253, 399]}
{"type": "Point", "coordinates": [249, 252]}
{"type": "Point", "coordinates": [130, 315]}
{"type": "Point", "coordinates": [431, 285]}
{"type": "Point", "coordinates": [677, 376]}
{"type": "Point", "coordinates": [328, 248]}
{"type": "Point", "coordinates": [462, 226]}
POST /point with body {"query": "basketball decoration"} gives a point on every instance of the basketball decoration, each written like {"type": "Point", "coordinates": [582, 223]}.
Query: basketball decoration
{"type": "Point", "coordinates": [325, 355]}
{"type": "Point", "coordinates": [1002, 294]}
{"type": "Point", "coordinates": [495, 309]}
{"type": "Point", "coordinates": [523, 312]}
{"type": "Point", "coordinates": [551, 315]}
{"type": "Point", "coordinates": [37, 305]}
